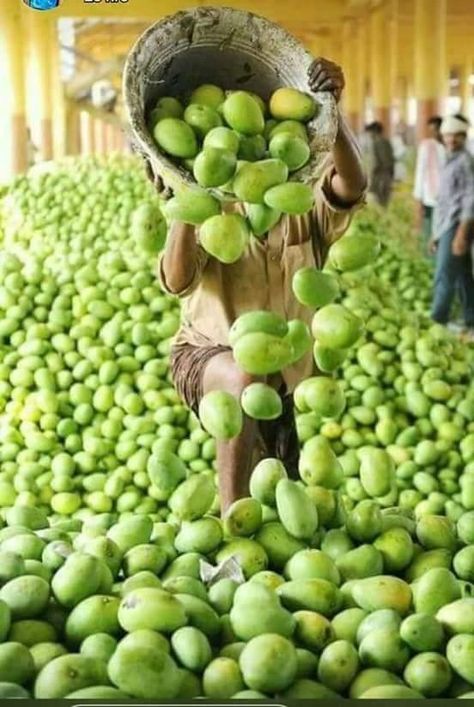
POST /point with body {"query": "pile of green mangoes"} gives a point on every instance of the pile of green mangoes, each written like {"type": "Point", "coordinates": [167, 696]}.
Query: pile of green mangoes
{"type": "Point", "coordinates": [326, 602]}
{"type": "Point", "coordinates": [85, 393]}
{"type": "Point", "coordinates": [235, 152]}
{"type": "Point", "coordinates": [117, 576]}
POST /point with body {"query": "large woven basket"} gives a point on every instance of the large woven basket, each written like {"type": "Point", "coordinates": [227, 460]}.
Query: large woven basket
{"type": "Point", "coordinates": [231, 48]}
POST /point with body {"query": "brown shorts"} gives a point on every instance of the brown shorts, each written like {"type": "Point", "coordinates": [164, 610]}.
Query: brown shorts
{"type": "Point", "coordinates": [277, 438]}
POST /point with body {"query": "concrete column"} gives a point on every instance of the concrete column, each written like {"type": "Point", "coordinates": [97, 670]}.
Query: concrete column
{"type": "Point", "coordinates": [467, 87]}
{"type": "Point", "coordinates": [74, 136]}
{"type": "Point", "coordinates": [98, 136]}
{"type": "Point", "coordinates": [12, 88]}
{"type": "Point", "coordinates": [39, 79]}
{"type": "Point", "coordinates": [361, 57]}
{"type": "Point", "coordinates": [87, 133]}
{"type": "Point", "coordinates": [352, 105]}
{"type": "Point", "coordinates": [380, 71]}
{"type": "Point", "coordinates": [60, 124]}
{"type": "Point", "coordinates": [430, 60]}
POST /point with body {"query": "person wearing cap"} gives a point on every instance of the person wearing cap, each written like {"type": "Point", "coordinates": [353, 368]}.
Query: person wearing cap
{"type": "Point", "coordinates": [429, 163]}
{"type": "Point", "coordinates": [216, 295]}
{"type": "Point", "coordinates": [453, 226]}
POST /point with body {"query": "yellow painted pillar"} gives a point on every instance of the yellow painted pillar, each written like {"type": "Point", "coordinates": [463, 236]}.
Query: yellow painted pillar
{"type": "Point", "coordinates": [380, 71]}
{"type": "Point", "coordinates": [12, 88]}
{"type": "Point", "coordinates": [467, 87]}
{"type": "Point", "coordinates": [39, 78]}
{"type": "Point", "coordinates": [430, 59]}
{"type": "Point", "coordinates": [60, 124]}
{"type": "Point", "coordinates": [98, 136]}
{"type": "Point", "coordinates": [350, 66]}
{"type": "Point", "coordinates": [394, 64]}
{"type": "Point", "coordinates": [361, 56]}
{"type": "Point", "coordinates": [73, 141]}
{"type": "Point", "coordinates": [87, 133]}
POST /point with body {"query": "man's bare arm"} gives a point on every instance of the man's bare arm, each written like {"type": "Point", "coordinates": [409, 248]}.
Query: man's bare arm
{"type": "Point", "coordinates": [349, 181]}
{"type": "Point", "coordinates": [180, 257]}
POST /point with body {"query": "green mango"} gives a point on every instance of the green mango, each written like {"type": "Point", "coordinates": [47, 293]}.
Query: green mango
{"type": "Point", "coordinates": [261, 402]}
{"type": "Point", "coordinates": [69, 673]}
{"type": "Point", "coordinates": [261, 218]}
{"type": "Point", "coordinates": [243, 113]}
{"type": "Point", "coordinates": [254, 180]}
{"type": "Point", "coordinates": [192, 206]}
{"type": "Point", "coordinates": [193, 497]}
{"type": "Point", "coordinates": [428, 673]}
{"type": "Point", "coordinates": [383, 648]}
{"type": "Point", "coordinates": [458, 616]}
{"type": "Point", "coordinates": [143, 673]}
{"type": "Point", "coordinates": [345, 624]}
{"type": "Point", "coordinates": [203, 535]}
{"type": "Point", "coordinates": [371, 678]}
{"type": "Point", "coordinates": [291, 149]}
{"type": "Point", "coordinates": [243, 517]}
{"type": "Point", "coordinates": [151, 608]}
{"type": "Point", "coordinates": [338, 665]}
{"type": "Point", "coordinates": [459, 652]}
{"type": "Point", "coordinates": [250, 555]}
{"type": "Point", "coordinates": [313, 594]}
{"type": "Point", "coordinates": [191, 647]}
{"type": "Point", "coordinates": [222, 679]}
{"type": "Point", "coordinates": [383, 592]}
{"type": "Point", "coordinates": [176, 138]}
{"type": "Point", "coordinates": [268, 663]}
{"type": "Point", "coordinates": [314, 288]}
{"type": "Point", "coordinates": [312, 564]}
{"type": "Point", "coordinates": [257, 610]}
{"type": "Point", "coordinates": [262, 354]}
{"type": "Point", "coordinates": [296, 511]}
{"type": "Point", "coordinates": [277, 543]}
{"type": "Point", "coordinates": [354, 252]}
{"type": "Point", "coordinates": [213, 167]}
{"type": "Point", "coordinates": [313, 631]}
{"type": "Point", "coordinates": [436, 588]}
{"type": "Point", "coordinates": [293, 198]}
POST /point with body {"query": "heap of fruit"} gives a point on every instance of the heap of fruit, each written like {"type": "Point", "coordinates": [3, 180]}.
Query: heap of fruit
{"type": "Point", "coordinates": [233, 152]}
{"type": "Point", "coordinates": [85, 394]}
{"type": "Point", "coordinates": [109, 508]}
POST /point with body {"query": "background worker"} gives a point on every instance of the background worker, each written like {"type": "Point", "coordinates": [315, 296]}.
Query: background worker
{"type": "Point", "coordinates": [453, 225]}
{"type": "Point", "coordinates": [216, 294]}
{"type": "Point", "coordinates": [379, 162]}
{"type": "Point", "coordinates": [429, 163]}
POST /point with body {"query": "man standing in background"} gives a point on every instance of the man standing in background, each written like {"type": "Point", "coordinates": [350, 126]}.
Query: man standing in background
{"type": "Point", "coordinates": [453, 225]}
{"type": "Point", "coordinates": [429, 162]}
{"type": "Point", "coordinates": [379, 163]}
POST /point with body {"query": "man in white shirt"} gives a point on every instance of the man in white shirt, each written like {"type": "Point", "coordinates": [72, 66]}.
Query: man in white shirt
{"type": "Point", "coordinates": [429, 162]}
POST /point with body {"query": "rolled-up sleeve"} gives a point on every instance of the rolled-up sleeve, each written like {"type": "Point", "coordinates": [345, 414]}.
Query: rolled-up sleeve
{"type": "Point", "coordinates": [201, 261]}
{"type": "Point", "coordinates": [333, 218]}
{"type": "Point", "coordinates": [467, 204]}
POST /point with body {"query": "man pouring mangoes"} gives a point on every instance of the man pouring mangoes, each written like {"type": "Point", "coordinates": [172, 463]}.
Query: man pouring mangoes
{"type": "Point", "coordinates": [217, 293]}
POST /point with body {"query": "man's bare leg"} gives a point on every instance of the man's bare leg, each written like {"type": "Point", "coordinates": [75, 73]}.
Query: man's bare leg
{"type": "Point", "coordinates": [234, 457]}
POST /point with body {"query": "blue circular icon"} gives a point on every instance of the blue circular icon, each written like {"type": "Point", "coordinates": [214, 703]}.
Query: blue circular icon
{"type": "Point", "coordinates": [42, 4]}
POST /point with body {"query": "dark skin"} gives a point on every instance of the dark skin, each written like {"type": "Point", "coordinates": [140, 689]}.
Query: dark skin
{"type": "Point", "coordinates": [234, 457]}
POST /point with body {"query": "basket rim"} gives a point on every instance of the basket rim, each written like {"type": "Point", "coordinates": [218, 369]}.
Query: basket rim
{"type": "Point", "coordinates": [141, 137]}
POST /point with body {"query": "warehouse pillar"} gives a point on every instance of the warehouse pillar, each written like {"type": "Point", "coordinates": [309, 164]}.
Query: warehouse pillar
{"type": "Point", "coordinates": [430, 59]}
{"type": "Point", "coordinates": [73, 141]}
{"type": "Point", "coordinates": [61, 124]}
{"type": "Point", "coordinates": [87, 133]}
{"type": "Point", "coordinates": [362, 64]}
{"type": "Point", "coordinates": [466, 93]}
{"type": "Point", "coordinates": [352, 105]}
{"type": "Point", "coordinates": [40, 72]}
{"type": "Point", "coordinates": [380, 72]}
{"type": "Point", "coordinates": [12, 87]}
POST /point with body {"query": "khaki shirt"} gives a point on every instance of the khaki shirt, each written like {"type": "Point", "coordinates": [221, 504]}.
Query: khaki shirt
{"type": "Point", "coordinates": [261, 279]}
